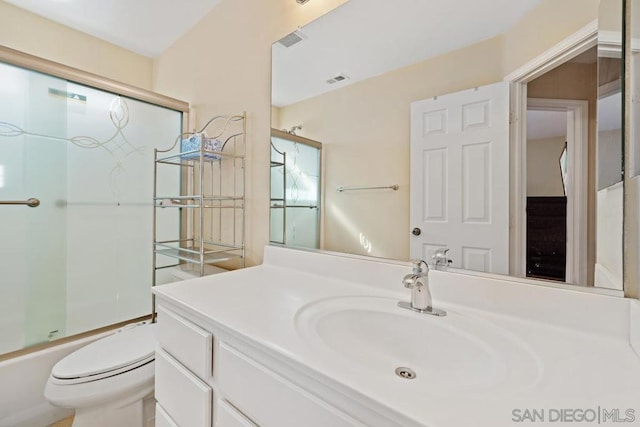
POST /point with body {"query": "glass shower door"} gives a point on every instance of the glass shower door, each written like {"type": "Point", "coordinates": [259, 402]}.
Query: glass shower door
{"type": "Point", "coordinates": [32, 239]}
{"type": "Point", "coordinates": [295, 192]}
{"type": "Point", "coordinates": [81, 259]}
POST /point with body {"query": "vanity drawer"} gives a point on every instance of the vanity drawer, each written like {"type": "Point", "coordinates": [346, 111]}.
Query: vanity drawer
{"type": "Point", "coordinates": [162, 418]}
{"type": "Point", "coordinates": [185, 398]}
{"type": "Point", "coordinates": [189, 344]}
{"type": "Point", "coordinates": [270, 400]}
{"type": "Point", "coordinates": [228, 416]}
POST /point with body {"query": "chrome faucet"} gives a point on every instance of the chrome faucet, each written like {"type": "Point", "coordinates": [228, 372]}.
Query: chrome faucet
{"type": "Point", "coordinates": [440, 259]}
{"type": "Point", "coordinates": [418, 282]}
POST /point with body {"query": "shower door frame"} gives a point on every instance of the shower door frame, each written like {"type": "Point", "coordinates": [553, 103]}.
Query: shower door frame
{"type": "Point", "coordinates": [311, 143]}
{"type": "Point", "coordinates": [75, 75]}
{"type": "Point", "coordinates": [33, 63]}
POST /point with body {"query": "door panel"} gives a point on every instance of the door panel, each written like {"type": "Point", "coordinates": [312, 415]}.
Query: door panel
{"type": "Point", "coordinates": [460, 177]}
{"type": "Point", "coordinates": [32, 239]}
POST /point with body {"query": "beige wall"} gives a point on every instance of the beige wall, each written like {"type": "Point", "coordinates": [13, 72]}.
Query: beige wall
{"type": "Point", "coordinates": [543, 167]}
{"type": "Point", "coordinates": [610, 15]}
{"type": "Point", "coordinates": [547, 24]}
{"type": "Point", "coordinates": [223, 66]}
{"type": "Point", "coordinates": [275, 118]}
{"type": "Point", "coordinates": [29, 33]}
{"type": "Point", "coordinates": [364, 129]}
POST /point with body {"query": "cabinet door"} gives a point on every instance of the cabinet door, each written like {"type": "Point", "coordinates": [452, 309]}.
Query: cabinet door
{"type": "Point", "coordinates": [188, 343]}
{"type": "Point", "coordinates": [270, 400]}
{"type": "Point", "coordinates": [228, 416]}
{"type": "Point", "coordinates": [162, 418]}
{"type": "Point", "coordinates": [185, 398]}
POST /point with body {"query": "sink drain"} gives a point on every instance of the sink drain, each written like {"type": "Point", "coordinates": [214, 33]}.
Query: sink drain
{"type": "Point", "coordinates": [405, 373]}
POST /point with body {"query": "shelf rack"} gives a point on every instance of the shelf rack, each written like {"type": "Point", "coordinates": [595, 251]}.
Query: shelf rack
{"type": "Point", "coordinates": [210, 203]}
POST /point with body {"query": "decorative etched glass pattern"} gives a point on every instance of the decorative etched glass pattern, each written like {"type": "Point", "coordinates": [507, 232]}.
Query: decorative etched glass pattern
{"type": "Point", "coordinates": [117, 145]}
{"type": "Point", "coordinates": [299, 221]}
{"type": "Point", "coordinates": [82, 259]}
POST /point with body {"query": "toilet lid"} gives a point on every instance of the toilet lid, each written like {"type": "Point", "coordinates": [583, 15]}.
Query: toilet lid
{"type": "Point", "coordinates": [117, 353]}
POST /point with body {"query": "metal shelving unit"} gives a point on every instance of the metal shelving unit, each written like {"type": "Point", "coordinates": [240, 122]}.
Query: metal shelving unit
{"type": "Point", "coordinates": [211, 199]}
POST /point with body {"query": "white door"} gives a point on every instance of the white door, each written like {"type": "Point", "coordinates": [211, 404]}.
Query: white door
{"type": "Point", "coordinates": [460, 178]}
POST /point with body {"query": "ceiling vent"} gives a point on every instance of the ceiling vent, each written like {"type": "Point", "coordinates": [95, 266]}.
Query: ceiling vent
{"type": "Point", "coordinates": [291, 39]}
{"type": "Point", "coordinates": [338, 78]}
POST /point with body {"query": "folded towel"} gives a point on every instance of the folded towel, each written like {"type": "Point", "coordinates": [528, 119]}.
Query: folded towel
{"type": "Point", "coordinates": [194, 142]}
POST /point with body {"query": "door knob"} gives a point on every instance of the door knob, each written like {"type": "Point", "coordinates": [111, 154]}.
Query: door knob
{"type": "Point", "coordinates": [416, 231]}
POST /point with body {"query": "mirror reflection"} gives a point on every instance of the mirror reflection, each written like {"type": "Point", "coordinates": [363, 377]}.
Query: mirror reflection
{"type": "Point", "coordinates": [295, 190]}
{"type": "Point", "coordinates": [632, 158]}
{"type": "Point", "coordinates": [416, 128]}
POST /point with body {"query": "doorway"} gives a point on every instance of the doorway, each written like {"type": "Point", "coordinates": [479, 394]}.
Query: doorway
{"type": "Point", "coordinates": [575, 72]}
{"type": "Point", "coordinates": [557, 180]}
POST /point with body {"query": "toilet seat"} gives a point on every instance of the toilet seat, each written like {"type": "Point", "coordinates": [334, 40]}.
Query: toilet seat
{"type": "Point", "coordinates": [127, 349]}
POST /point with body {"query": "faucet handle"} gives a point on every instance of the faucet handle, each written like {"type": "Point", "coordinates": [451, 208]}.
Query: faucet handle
{"type": "Point", "coordinates": [440, 258]}
{"type": "Point", "coordinates": [417, 266]}
{"type": "Point", "coordinates": [409, 281]}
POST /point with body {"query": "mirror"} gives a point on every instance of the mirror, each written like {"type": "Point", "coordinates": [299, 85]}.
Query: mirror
{"type": "Point", "coordinates": [608, 268]}
{"type": "Point", "coordinates": [347, 82]}
{"type": "Point", "coordinates": [632, 160]}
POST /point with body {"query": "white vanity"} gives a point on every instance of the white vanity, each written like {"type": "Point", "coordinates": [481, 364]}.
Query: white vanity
{"type": "Point", "coordinates": [310, 339]}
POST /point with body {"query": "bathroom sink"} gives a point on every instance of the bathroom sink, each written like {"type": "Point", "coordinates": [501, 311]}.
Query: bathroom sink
{"type": "Point", "coordinates": [454, 354]}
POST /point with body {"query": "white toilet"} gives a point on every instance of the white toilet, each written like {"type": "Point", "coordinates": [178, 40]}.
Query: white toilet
{"type": "Point", "coordinates": [110, 381]}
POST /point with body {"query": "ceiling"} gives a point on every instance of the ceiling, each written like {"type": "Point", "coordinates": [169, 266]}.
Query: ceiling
{"type": "Point", "coordinates": [147, 27]}
{"type": "Point", "coordinates": [366, 38]}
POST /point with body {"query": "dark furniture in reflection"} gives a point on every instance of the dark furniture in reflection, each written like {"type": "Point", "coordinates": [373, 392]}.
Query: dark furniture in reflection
{"type": "Point", "coordinates": [547, 237]}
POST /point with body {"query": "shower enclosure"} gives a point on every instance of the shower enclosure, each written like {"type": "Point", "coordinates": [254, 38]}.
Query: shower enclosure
{"type": "Point", "coordinates": [295, 190]}
{"type": "Point", "coordinates": [79, 257]}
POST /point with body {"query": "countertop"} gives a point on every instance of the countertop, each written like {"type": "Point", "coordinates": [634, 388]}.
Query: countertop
{"type": "Point", "coordinates": [578, 370]}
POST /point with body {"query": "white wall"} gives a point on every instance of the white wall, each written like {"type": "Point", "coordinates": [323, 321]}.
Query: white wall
{"type": "Point", "coordinates": [543, 167]}
{"type": "Point", "coordinates": [635, 326]}
{"type": "Point", "coordinates": [608, 268]}
{"type": "Point", "coordinates": [609, 158]}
